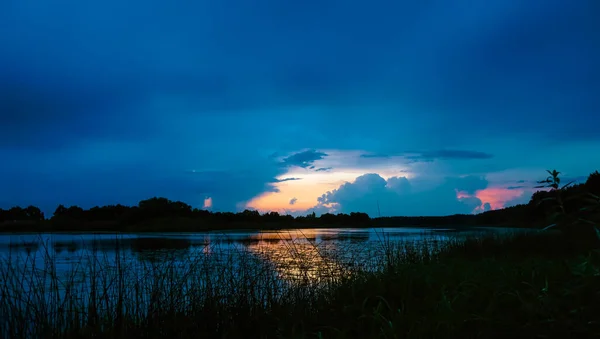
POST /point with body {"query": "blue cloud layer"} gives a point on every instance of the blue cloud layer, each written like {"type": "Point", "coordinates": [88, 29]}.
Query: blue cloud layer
{"type": "Point", "coordinates": [115, 101]}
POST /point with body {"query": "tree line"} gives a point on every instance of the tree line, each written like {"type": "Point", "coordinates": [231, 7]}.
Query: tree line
{"type": "Point", "coordinates": [162, 214]}
{"type": "Point", "coordinates": [563, 203]}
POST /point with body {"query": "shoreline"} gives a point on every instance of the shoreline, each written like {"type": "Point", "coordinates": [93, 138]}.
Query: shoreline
{"type": "Point", "coordinates": [446, 228]}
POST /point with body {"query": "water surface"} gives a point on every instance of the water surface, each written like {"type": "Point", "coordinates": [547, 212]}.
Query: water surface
{"type": "Point", "coordinates": [298, 252]}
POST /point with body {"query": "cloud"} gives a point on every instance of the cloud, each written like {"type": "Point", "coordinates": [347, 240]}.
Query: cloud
{"type": "Point", "coordinates": [398, 184]}
{"type": "Point", "coordinates": [398, 196]}
{"type": "Point", "coordinates": [514, 187]}
{"type": "Point", "coordinates": [95, 181]}
{"type": "Point", "coordinates": [433, 155]}
{"type": "Point", "coordinates": [500, 197]}
{"type": "Point", "coordinates": [303, 159]}
{"type": "Point", "coordinates": [287, 179]}
{"type": "Point", "coordinates": [374, 155]}
{"type": "Point", "coordinates": [323, 169]}
{"type": "Point", "coordinates": [469, 184]}
{"type": "Point", "coordinates": [207, 203]}
{"type": "Point", "coordinates": [120, 117]}
{"type": "Point", "coordinates": [230, 189]}
{"type": "Point", "coordinates": [293, 201]}
{"type": "Point", "coordinates": [48, 116]}
{"type": "Point", "coordinates": [449, 155]}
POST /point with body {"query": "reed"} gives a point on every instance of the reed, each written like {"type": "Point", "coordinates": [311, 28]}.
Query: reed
{"type": "Point", "coordinates": [521, 286]}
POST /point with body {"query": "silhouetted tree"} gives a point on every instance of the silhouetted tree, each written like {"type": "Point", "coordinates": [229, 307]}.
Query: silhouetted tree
{"type": "Point", "coordinates": [251, 216]}
{"type": "Point", "coordinates": [33, 213]}
{"type": "Point", "coordinates": [271, 217]}
{"type": "Point", "coordinates": [328, 219]}
{"type": "Point", "coordinates": [17, 214]}
{"type": "Point", "coordinates": [358, 219]}
{"type": "Point", "coordinates": [60, 211]}
{"type": "Point", "coordinates": [75, 212]}
{"type": "Point", "coordinates": [593, 183]}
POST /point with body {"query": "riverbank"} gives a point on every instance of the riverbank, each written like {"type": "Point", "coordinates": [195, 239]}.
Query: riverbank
{"type": "Point", "coordinates": [525, 286]}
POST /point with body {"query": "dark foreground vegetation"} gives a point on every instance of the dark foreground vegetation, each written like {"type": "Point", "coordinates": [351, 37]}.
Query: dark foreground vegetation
{"type": "Point", "coordinates": [161, 214]}
{"type": "Point", "coordinates": [528, 285]}
{"type": "Point", "coordinates": [525, 286]}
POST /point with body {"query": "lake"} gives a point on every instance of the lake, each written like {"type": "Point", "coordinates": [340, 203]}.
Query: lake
{"type": "Point", "coordinates": [49, 278]}
{"type": "Point", "coordinates": [293, 253]}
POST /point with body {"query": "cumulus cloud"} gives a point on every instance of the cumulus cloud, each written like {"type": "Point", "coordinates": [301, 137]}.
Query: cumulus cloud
{"type": "Point", "coordinates": [468, 184]}
{"type": "Point", "coordinates": [398, 184]}
{"type": "Point", "coordinates": [293, 201]}
{"type": "Point", "coordinates": [398, 196]}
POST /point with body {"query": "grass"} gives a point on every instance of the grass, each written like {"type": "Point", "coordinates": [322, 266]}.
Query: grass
{"type": "Point", "coordinates": [523, 286]}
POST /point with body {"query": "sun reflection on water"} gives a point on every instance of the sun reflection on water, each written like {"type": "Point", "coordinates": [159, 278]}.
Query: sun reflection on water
{"type": "Point", "coordinates": [304, 255]}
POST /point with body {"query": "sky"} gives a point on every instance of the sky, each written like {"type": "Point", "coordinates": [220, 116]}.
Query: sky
{"type": "Point", "coordinates": [427, 107]}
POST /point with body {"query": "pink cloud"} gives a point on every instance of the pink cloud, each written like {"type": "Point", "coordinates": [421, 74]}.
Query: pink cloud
{"type": "Point", "coordinates": [207, 203]}
{"type": "Point", "coordinates": [496, 197]}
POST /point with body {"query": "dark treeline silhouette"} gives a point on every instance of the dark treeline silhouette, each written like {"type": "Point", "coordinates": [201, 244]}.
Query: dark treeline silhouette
{"type": "Point", "coordinates": [534, 214]}
{"type": "Point", "coordinates": [161, 214]}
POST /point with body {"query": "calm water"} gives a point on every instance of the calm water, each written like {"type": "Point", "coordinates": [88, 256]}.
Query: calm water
{"type": "Point", "coordinates": [47, 277]}
{"type": "Point", "coordinates": [293, 253]}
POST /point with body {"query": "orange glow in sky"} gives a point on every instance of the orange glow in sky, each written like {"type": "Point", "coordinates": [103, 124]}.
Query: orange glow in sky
{"type": "Point", "coordinates": [305, 193]}
{"type": "Point", "coordinates": [310, 186]}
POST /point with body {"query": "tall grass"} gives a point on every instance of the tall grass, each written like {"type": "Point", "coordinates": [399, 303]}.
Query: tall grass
{"type": "Point", "coordinates": [519, 287]}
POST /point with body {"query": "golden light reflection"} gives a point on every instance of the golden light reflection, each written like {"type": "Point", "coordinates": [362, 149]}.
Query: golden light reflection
{"type": "Point", "coordinates": [301, 255]}
{"type": "Point", "coordinates": [299, 260]}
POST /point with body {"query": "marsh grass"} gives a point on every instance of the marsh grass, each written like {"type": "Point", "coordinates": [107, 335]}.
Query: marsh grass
{"type": "Point", "coordinates": [522, 286]}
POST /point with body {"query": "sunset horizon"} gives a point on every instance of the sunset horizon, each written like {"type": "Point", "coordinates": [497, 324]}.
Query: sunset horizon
{"type": "Point", "coordinates": [428, 109]}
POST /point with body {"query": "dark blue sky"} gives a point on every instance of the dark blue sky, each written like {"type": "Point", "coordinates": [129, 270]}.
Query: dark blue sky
{"type": "Point", "coordinates": [431, 107]}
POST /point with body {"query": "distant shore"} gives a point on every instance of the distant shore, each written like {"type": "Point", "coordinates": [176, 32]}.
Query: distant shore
{"type": "Point", "coordinates": [178, 225]}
